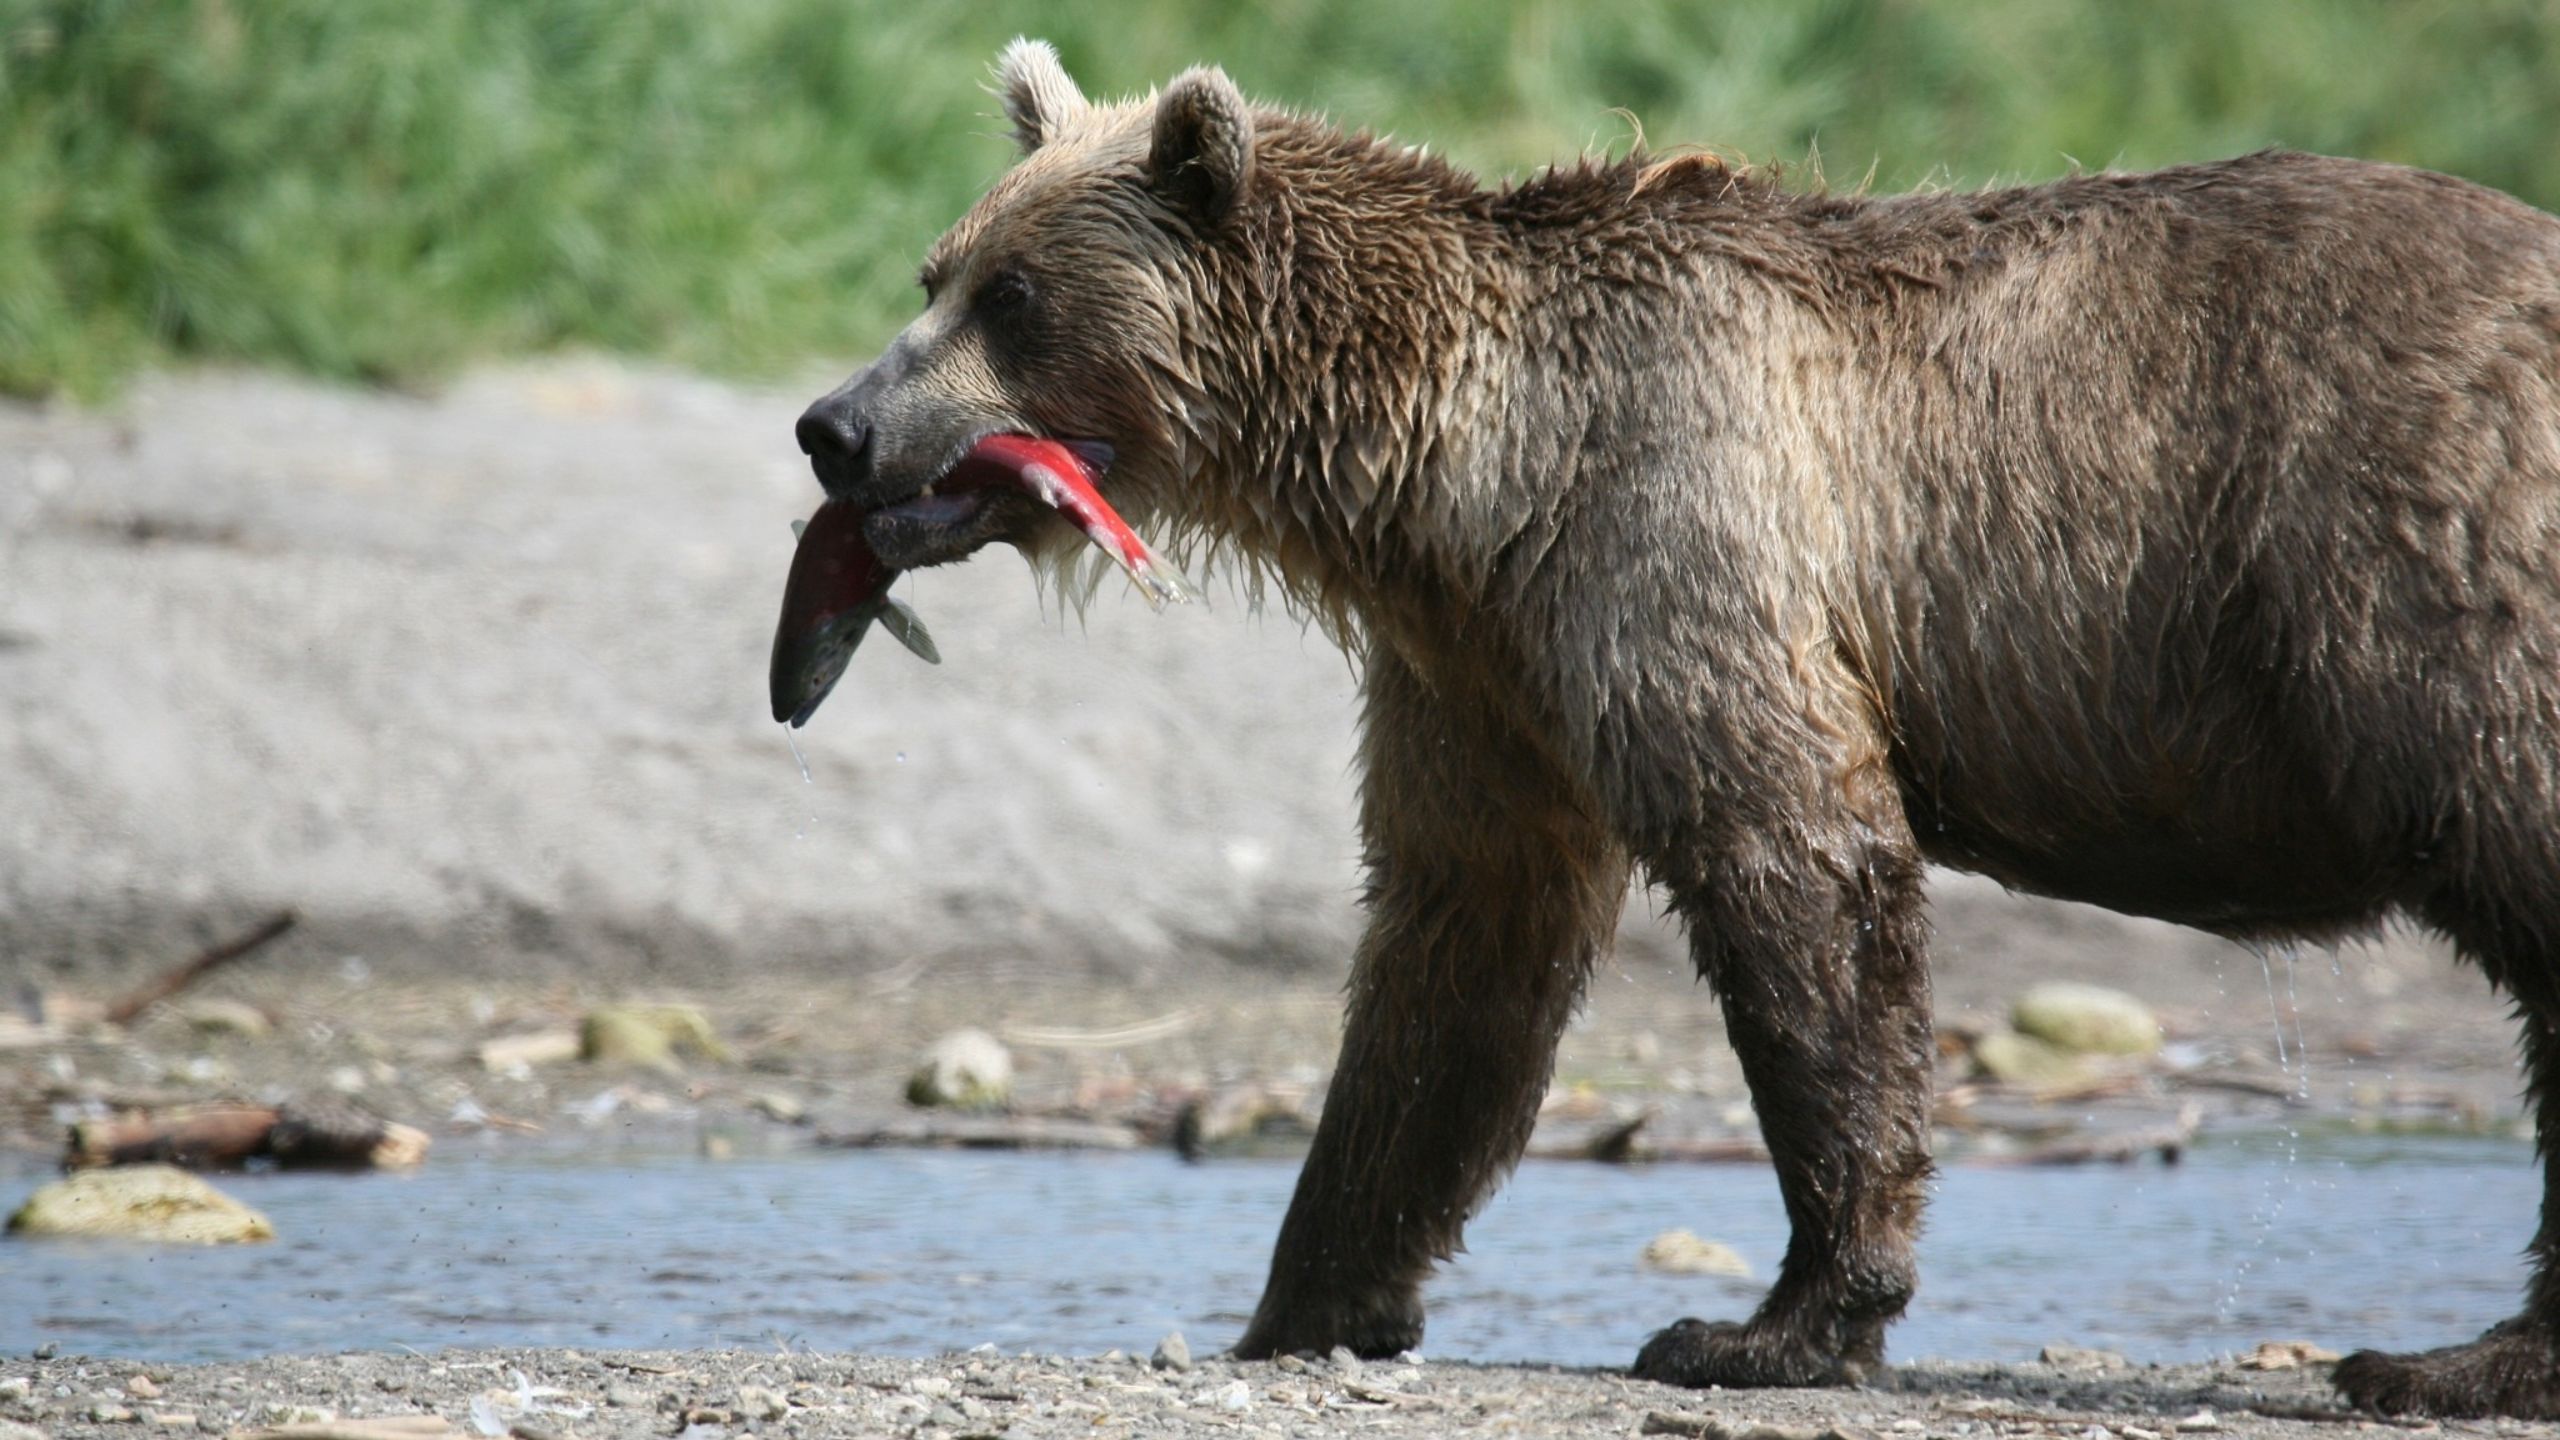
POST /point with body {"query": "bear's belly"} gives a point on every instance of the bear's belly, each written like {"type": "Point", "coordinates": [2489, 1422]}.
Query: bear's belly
{"type": "Point", "coordinates": [2207, 871]}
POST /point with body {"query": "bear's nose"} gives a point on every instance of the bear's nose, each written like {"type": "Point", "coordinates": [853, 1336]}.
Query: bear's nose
{"type": "Point", "coordinates": [838, 446]}
{"type": "Point", "coordinates": [822, 433]}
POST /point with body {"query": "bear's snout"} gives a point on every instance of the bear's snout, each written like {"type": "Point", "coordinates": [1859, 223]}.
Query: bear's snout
{"type": "Point", "coordinates": [838, 445]}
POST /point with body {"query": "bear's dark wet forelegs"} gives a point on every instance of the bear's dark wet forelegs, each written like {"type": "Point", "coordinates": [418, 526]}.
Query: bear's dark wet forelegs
{"type": "Point", "coordinates": [2514, 1369]}
{"type": "Point", "coordinates": [1491, 891]}
{"type": "Point", "coordinates": [1815, 945]}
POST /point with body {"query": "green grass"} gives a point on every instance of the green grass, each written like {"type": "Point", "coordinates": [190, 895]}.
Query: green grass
{"type": "Point", "coordinates": [383, 189]}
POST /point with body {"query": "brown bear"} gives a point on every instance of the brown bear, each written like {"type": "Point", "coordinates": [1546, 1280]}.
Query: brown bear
{"type": "Point", "coordinates": [2187, 543]}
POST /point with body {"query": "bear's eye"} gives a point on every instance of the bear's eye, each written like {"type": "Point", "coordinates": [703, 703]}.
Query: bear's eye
{"type": "Point", "coordinates": [1005, 293]}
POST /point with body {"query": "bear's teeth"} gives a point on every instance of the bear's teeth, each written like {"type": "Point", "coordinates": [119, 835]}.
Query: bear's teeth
{"type": "Point", "coordinates": [926, 493]}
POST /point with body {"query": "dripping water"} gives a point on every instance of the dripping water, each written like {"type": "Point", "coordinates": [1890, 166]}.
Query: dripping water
{"type": "Point", "coordinates": [2277, 1188]}
{"type": "Point", "coordinates": [791, 738]}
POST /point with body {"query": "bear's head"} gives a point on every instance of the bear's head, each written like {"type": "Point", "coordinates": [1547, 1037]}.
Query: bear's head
{"type": "Point", "coordinates": [1061, 306]}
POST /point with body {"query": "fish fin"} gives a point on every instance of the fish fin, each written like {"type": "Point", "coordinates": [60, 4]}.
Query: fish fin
{"type": "Point", "coordinates": [900, 619]}
{"type": "Point", "coordinates": [799, 528]}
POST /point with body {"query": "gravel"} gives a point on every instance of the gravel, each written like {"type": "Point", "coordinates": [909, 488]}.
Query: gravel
{"type": "Point", "coordinates": [565, 1394]}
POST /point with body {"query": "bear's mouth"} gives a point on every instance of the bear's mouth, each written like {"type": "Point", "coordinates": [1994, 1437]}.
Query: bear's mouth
{"type": "Point", "coordinates": [991, 493]}
{"type": "Point", "coordinates": [846, 557]}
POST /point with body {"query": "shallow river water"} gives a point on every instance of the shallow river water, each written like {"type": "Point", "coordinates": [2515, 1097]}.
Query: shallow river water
{"type": "Point", "coordinates": [2348, 1240]}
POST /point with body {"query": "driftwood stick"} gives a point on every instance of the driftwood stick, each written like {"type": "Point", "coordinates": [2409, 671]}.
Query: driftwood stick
{"type": "Point", "coordinates": [205, 1137]}
{"type": "Point", "coordinates": [325, 1135]}
{"type": "Point", "coordinates": [982, 1132]}
{"type": "Point", "coordinates": [2169, 1138]}
{"type": "Point", "coordinates": [172, 981]}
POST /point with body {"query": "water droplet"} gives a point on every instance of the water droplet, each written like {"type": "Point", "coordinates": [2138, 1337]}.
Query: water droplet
{"type": "Point", "coordinates": [791, 738]}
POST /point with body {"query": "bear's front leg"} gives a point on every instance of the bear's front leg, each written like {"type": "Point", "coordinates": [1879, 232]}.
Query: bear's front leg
{"type": "Point", "coordinates": [1810, 931]}
{"type": "Point", "coordinates": [1491, 890]}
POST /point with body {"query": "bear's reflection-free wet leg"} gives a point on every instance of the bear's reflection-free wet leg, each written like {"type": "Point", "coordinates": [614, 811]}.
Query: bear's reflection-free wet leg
{"type": "Point", "coordinates": [1815, 946]}
{"type": "Point", "coordinates": [1491, 889]}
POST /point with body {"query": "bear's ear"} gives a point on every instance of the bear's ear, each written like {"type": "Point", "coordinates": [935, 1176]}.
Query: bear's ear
{"type": "Point", "coordinates": [1203, 151]}
{"type": "Point", "coordinates": [1038, 97]}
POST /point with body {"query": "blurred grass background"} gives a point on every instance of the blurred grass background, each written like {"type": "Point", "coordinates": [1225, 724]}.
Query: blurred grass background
{"type": "Point", "coordinates": [382, 189]}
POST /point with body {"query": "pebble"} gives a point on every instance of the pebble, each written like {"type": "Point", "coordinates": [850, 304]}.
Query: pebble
{"type": "Point", "coordinates": [12, 1430]}
{"type": "Point", "coordinates": [1172, 1353]}
{"type": "Point", "coordinates": [758, 1403]}
{"type": "Point", "coordinates": [1345, 1361]}
{"type": "Point", "coordinates": [2201, 1420]}
{"type": "Point", "coordinates": [107, 1412]}
{"type": "Point", "coordinates": [16, 1387]}
{"type": "Point", "coordinates": [626, 1397]}
{"type": "Point", "coordinates": [1234, 1397]}
{"type": "Point", "coordinates": [140, 1387]}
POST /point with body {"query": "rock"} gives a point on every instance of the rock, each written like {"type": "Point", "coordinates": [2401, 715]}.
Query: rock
{"type": "Point", "coordinates": [140, 1202]}
{"type": "Point", "coordinates": [215, 1016]}
{"type": "Point", "coordinates": [12, 1430]}
{"type": "Point", "coordinates": [2016, 1059]}
{"type": "Point", "coordinates": [778, 1107]}
{"type": "Point", "coordinates": [142, 1387]}
{"type": "Point", "coordinates": [1172, 1353]}
{"type": "Point", "coordinates": [505, 1054]}
{"type": "Point", "coordinates": [1235, 1397]}
{"type": "Point", "coordinates": [2286, 1355]}
{"type": "Point", "coordinates": [1678, 1252]}
{"type": "Point", "coordinates": [2090, 1019]}
{"type": "Point", "coordinates": [758, 1403]}
{"type": "Point", "coordinates": [2076, 1357]}
{"type": "Point", "coordinates": [1242, 1119]}
{"type": "Point", "coordinates": [651, 1035]}
{"type": "Point", "coordinates": [2203, 1419]}
{"type": "Point", "coordinates": [969, 1069]}
{"type": "Point", "coordinates": [1707, 1427]}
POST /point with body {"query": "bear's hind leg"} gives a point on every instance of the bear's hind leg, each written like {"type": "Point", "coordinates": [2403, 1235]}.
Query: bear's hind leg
{"type": "Point", "coordinates": [1812, 934]}
{"type": "Point", "coordinates": [1491, 891]}
{"type": "Point", "coordinates": [2514, 1369]}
